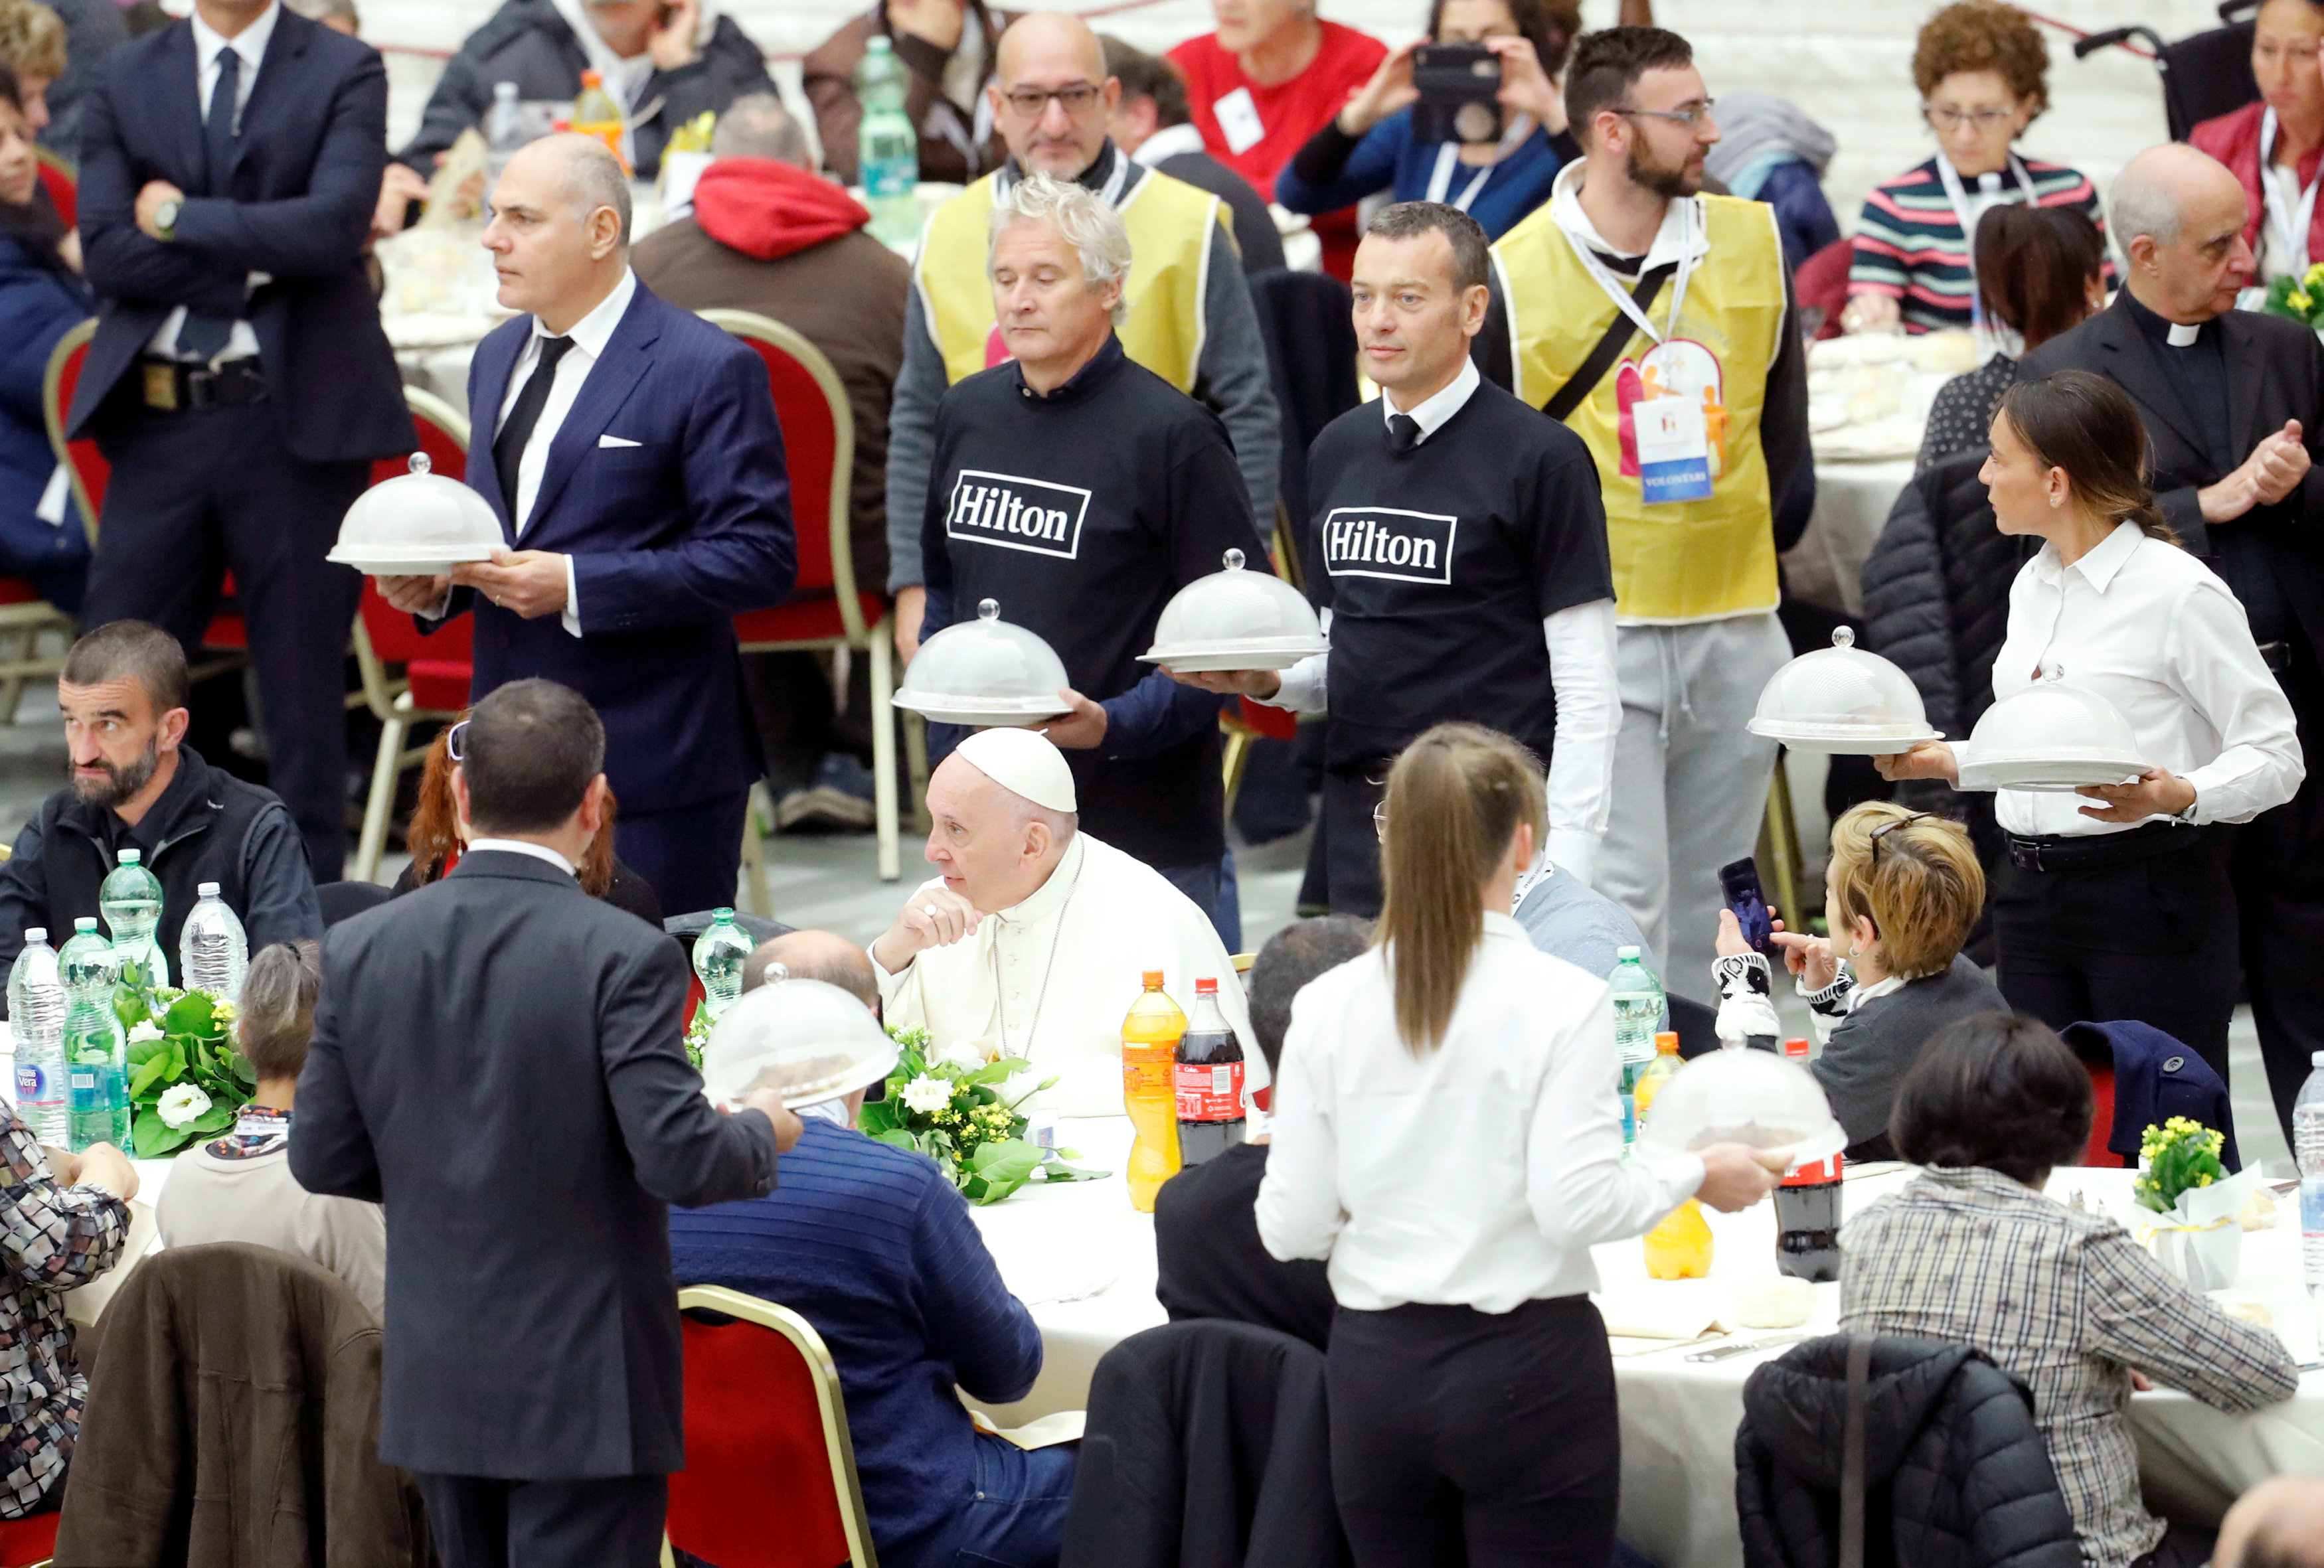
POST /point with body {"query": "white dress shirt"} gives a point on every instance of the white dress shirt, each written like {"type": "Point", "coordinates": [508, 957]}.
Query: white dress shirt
{"type": "Point", "coordinates": [539, 852]}
{"type": "Point", "coordinates": [1581, 672]}
{"type": "Point", "coordinates": [1479, 1174]}
{"type": "Point", "coordinates": [590, 335]}
{"type": "Point", "coordinates": [1051, 978]}
{"type": "Point", "coordinates": [250, 44]}
{"type": "Point", "coordinates": [2149, 627]}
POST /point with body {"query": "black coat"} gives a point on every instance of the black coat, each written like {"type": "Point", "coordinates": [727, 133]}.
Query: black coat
{"type": "Point", "coordinates": [498, 1058]}
{"type": "Point", "coordinates": [1208, 1446]}
{"type": "Point", "coordinates": [2275, 371]}
{"type": "Point", "coordinates": [1956, 1473]}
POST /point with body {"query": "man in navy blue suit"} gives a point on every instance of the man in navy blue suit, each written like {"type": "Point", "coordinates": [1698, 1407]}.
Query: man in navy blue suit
{"type": "Point", "coordinates": [239, 382]}
{"type": "Point", "coordinates": [631, 451]}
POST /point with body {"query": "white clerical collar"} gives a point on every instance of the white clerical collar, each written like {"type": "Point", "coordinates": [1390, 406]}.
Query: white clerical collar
{"type": "Point", "coordinates": [249, 42]}
{"type": "Point", "coordinates": [594, 331]}
{"type": "Point", "coordinates": [1431, 412]}
{"type": "Point", "coordinates": [539, 852]}
{"type": "Point", "coordinates": [1677, 236]}
{"type": "Point", "coordinates": [2182, 335]}
{"type": "Point", "coordinates": [1167, 143]}
{"type": "Point", "coordinates": [1050, 897]}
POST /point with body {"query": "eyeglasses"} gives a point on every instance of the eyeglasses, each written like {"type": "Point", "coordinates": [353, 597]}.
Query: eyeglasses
{"type": "Point", "coordinates": [1687, 114]}
{"type": "Point", "coordinates": [1884, 829]}
{"type": "Point", "coordinates": [1945, 117]}
{"type": "Point", "coordinates": [454, 739]}
{"type": "Point", "coordinates": [1031, 102]}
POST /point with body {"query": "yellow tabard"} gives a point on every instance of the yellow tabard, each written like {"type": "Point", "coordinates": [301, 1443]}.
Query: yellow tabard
{"type": "Point", "coordinates": [1170, 223]}
{"type": "Point", "coordinates": [1681, 560]}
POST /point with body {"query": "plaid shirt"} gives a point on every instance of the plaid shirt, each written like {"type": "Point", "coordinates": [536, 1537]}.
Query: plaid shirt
{"type": "Point", "coordinates": [2067, 1302]}
{"type": "Point", "coordinates": [51, 1239]}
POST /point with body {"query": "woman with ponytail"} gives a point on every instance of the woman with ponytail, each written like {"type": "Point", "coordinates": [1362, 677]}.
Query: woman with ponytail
{"type": "Point", "coordinates": [1448, 1138]}
{"type": "Point", "coordinates": [2110, 905]}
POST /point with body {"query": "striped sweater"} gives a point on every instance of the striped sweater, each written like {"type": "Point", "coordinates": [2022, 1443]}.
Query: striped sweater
{"type": "Point", "coordinates": [1909, 247]}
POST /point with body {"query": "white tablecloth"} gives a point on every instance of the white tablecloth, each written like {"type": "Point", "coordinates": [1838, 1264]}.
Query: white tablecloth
{"type": "Point", "coordinates": [1678, 1417]}
{"type": "Point", "coordinates": [1852, 504]}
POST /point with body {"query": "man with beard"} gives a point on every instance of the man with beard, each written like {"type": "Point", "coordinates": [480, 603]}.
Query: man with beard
{"type": "Point", "coordinates": [136, 784]}
{"type": "Point", "coordinates": [1656, 322]}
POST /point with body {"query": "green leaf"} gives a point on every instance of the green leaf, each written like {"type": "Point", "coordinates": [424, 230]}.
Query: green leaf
{"type": "Point", "coordinates": [899, 1139]}
{"type": "Point", "coordinates": [1001, 1168]}
{"type": "Point", "coordinates": [877, 1117]}
{"type": "Point", "coordinates": [151, 1137]}
{"type": "Point", "coordinates": [141, 1051]}
{"type": "Point", "coordinates": [211, 1122]}
{"type": "Point", "coordinates": [147, 1077]}
{"type": "Point", "coordinates": [1057, 1170]}
{"type": "Point", "coordinates": [239, 1066]}
{"type": "Point", "coordinates": [190, 1014]}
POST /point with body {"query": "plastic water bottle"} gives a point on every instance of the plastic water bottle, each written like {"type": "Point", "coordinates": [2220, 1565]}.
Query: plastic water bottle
{"type": "Point", "coordinates": [213, 954]}
{"type": "Point", "coordinates": [96, 1063]}
{"type": "Point", "coordinates": [2307, 1150]}
{"type": "Point", "coordinates": [131, 901]}
{"type": "Point", "coordinates": [505, 135]}
{"type": "Point", "coordinates": [597, 116]}
{"type": "Point", "coordinates": [36, 1018]}
{"type": "Point", "coordinates": [1637, 1013]}
{"type": "Point", "coordinates": [719, 955]}
{"type": "Point", "coordinates": [886, 147]}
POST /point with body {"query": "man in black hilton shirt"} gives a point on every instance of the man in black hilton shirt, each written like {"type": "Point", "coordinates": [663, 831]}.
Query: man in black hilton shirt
{"type": "Point", "coordinates": [2232, 402]}
{"type": "Point", "coordinates": [1465, 541]}
{"type": "Point", "coordinates": [1080, 491]}
{"type": "Point", "coordinates": [1210, 1261]}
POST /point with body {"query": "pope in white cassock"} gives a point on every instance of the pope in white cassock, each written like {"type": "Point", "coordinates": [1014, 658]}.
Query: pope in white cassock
{"type": "Point", "coordinates": [1032, 941]}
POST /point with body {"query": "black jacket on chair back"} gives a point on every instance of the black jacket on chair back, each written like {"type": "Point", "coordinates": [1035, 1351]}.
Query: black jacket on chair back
{"type": "Point", "coordinates": [1208, 1446]}
{"type": "Point", "coordinates": [498, 1057]}
{"type": "Point", "coordinates": [1955, 1473]}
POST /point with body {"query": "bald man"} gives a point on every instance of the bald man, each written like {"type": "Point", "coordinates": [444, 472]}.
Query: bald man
{"type": "Point", "coordinates": [824, 955]}
{"type": "Point", "coordinates": [2278, 1524]}
{"type": "Point", "coordinates": [2232, 402]}
{"type": "Point", "coordinates": [1032, 939]}
{"type": "Point", "coordinates": [629, 451]}
{"type": "Point", "coordinates": [1189, 317]}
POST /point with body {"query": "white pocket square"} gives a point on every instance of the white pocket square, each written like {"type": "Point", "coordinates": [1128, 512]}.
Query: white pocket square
{"type": "Point", "coordinates": [604, 441]}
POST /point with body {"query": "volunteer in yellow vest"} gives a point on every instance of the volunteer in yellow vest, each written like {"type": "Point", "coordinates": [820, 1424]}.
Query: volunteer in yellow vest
{"type": "Point", "coordinates": [1657, 323]}
{"type": "Point", "coordinates": [1188, 316]}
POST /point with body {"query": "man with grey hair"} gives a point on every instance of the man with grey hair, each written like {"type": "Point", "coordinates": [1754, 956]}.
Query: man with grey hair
{"type": "Point", "coordinates": [767, 235]}
{"type": "Point", "coordinates": [2232, 402]}
{"type": "Point", "coordinates": [629, 451]}
{"type": "Point", "coordinates": [1188, 319]}
{"type": "Point", "coordinates": [1081, 491]}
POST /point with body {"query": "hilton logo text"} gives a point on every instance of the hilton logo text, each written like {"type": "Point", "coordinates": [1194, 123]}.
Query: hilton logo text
{"type": "Point", "coordinates": [1381, 541]}
{"type": "Point", "coordinates": [1016, 513]}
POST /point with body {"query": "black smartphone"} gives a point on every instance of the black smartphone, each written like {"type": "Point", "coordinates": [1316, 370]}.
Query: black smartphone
{"type": "Point", "coordinates": [1460, 86]}
{"type": "Point", "coordinates": [1739, 884]}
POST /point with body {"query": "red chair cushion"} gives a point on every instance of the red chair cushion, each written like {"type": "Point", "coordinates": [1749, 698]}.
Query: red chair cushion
{"type": "Point", "coordinates": [16, 591]}
{"type": "Point", "coordinates": [1275, 724]}
{"type": "Point", "coordinates": [88, 463]}
{"type": "Point", "coordinates": [440, 684]}
{"type": "Point", "coordinates": [2102, 1119]}
{"type": "Point", "coordinates": [813, 617]}
{"type": "Point", "coordinates": [23, 1541]}
{"type": "Point", "coordinates": [757, 1491]}
{"type": "Point", "coordinates": [65, 191]}
{"type": "Point", "coordinates": [1822, 281]}
{"type": "Point", "coordinates": [810, 452]}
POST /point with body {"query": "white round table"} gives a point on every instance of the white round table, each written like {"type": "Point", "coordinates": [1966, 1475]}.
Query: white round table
{"type": "Point", "coordinates": [1083, 1260]}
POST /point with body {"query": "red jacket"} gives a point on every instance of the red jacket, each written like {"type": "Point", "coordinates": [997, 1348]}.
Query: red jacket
{"type": "Point", "coordinates": [2234, 141]}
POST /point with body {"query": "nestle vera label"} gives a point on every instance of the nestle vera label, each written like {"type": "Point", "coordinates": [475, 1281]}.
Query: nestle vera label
{"type": "Point", "coordinates": [33, 1086]}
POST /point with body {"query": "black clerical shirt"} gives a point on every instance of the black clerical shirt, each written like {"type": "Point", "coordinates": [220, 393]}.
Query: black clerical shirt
{"type": "Point", "coordinates": [2198, 374]}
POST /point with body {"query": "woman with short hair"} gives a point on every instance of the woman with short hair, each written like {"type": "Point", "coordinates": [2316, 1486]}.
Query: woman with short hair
{"type": "Point", "coordinates": [1447, 1138]}
{"type": "Point", "coordinates": [2060, 1296]}
{"type": "Point", "coordinates": [1982, 69]}
{"type": "Point", "coordinates": [2111, 905]}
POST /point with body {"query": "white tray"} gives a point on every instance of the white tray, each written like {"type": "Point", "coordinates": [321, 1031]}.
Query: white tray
{"type": "Point", "coordinates": [937, 710]}
{"type": "Point", "coordinates": [1844, 746]}
{"type": "Point", "coordinates": [384, 565]}
{"type": "Point", "coordinates": [2058, 775]}
{"type": "Point", "coordinates": [1231, 658]}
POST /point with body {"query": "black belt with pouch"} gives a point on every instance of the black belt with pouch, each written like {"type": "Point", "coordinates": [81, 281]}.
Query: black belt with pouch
{"type": "Point", "coordinates": [2087, 851]}
{"type": "Point", "coordinates": [173, 386]}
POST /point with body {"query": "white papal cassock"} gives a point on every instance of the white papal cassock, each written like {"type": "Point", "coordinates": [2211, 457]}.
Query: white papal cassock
{"type": "Point", "coordinates": [1051, 979]}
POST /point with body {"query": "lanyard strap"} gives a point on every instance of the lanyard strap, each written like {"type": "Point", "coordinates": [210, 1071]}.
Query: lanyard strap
{"type": "Point", "coordinates": [1448, 155]}
{"type": "Point", "coordinates": [1958, 196]}
{"type": "Point", "coordinates": [2291, 228]}
{"type": "Point", "coordinates": [1614, 290]}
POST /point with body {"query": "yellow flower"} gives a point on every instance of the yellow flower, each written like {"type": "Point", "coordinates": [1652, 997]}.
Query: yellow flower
{"type": "Point", "coordinates": [2204, 1180]}
{"type": "Point", "coordinates": [2298, 300]}
{"type": "Point", "coordinates": [2315, 275]}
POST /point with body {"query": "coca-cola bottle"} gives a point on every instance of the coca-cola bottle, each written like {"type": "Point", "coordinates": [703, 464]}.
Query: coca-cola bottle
{"type": "Point", "coordinates": [1807, 1210]}
{"type": "Point", "coordinates": [1208, 1079]}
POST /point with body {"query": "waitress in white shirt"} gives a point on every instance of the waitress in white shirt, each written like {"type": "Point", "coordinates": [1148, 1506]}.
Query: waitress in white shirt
{"type": "Point", "coordinates": [2114, 904]}
{"type": "Point", "coordinates": [1447, 1136]}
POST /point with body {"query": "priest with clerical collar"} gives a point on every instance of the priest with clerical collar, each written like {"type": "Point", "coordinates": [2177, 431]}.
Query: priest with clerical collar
{"type": "Point", "coordinates": [1032, 941]}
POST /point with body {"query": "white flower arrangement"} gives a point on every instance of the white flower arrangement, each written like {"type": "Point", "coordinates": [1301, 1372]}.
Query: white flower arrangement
{"type": "Point", "coordinates": [927, 1095]}
{"type": "Point", "coordinates": [967, 1057]}
{"type": "Point", "coordinates": [181, 1105]}
{"type": "Point", "coordinates": [145, 1030]}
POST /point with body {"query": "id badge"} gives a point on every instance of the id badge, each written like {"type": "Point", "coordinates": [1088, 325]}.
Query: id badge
{"type": "Point", "coordinates": [160, 386]}
{"type": "Point", "coordinates": [1239, 120]}
{"type": "Point", "coordinates": [1673, 449]}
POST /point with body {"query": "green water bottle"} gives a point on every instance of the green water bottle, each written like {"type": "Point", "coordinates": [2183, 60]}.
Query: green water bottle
{"type": "Point", "coordinates": [719, 955]}
{"type": "Point", "coordinates": [96, 1063]}
{"type": "Point", "coordinates": [131, 901]}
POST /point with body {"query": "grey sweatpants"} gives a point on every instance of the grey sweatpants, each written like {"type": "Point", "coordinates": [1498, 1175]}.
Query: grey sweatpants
{"type": "Point", "coordinates": [1690, 781]}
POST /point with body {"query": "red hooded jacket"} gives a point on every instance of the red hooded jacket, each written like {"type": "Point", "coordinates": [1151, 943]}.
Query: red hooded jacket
{"type": "Point", "coordinates": [767, 208]}
{"type": "Point", "coordinates": [2234, 140]}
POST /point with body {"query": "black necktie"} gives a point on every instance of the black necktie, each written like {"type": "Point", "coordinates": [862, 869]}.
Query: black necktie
{"type": "Point", "coordinates": [507, 448]}
{"type": "Point", "coordinates": [203, 335]}
{"type": "Point", "coordinates": [1403, 432]}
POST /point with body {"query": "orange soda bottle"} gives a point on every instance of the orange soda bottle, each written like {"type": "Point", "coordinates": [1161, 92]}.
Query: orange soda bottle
{"type": "Point", "coordinates": [597, 115]}
{"type": "Point", "coordinates": [1149, 1057]}
{"type": "Point", "coordinates": [1679, 1247]}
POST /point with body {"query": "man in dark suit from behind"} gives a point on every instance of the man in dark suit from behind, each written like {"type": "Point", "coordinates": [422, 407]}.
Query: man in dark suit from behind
{"type": "Point", "coordinates": [1153, 125]}
{"type": "Point", "coordinates": [770, 235]}
{"type": "Point", "coordinates": [498, 1058]}
{"type": "Point", "coordinates": [2232, 402]}
{"type": "Point", "coordinates": [629, 450]}
{"type": "Point", "coordinates": [239, 383]}
{"type": "Point", "coordinates": [1210, 1263]}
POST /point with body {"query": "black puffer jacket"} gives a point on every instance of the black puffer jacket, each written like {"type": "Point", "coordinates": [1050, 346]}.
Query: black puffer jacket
{"type": "Point", "coordinates": [1956, 1474]}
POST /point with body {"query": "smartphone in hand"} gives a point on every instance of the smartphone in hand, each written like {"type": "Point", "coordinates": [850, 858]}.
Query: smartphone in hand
{"type": "Point", "coordinates": [1739, 885]}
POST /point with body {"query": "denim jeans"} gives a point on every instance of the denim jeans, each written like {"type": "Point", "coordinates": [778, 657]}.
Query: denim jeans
{"type": "Point", "coordinates": [1017, 1516]}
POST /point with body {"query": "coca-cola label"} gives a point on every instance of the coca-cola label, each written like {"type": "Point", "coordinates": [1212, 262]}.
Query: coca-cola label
{"type": "Point", "coordinates": [1210, 1091]}
{"type": "Point", "coordinates": [1816, 1175]}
